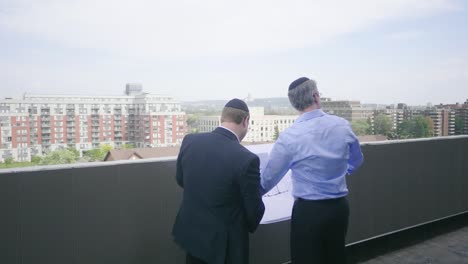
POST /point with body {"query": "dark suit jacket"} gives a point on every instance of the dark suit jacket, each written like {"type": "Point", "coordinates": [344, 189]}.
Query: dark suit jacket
{"type": "Point", "coordinates": [221, 200]}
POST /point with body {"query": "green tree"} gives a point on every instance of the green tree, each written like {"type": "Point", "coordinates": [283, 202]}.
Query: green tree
{"type": "Point", "coordinates": [361, 127]}
{"type": "Point", "coordinates": [36, 159]}
{"type": "Point", "coordinates": [276, 135]}
{"type": "Point", "coordinates": [404, 129]}
{"type": "Point", "coordinates": [192, 121]}
{"type": "Point", "coordinates": [430, 127]}
{"type": "Point", "coordinates": [127, 146]}
{"type": "Point", "coordinates": [458, 125]}
{"type": "Point", "coordinates": [93, 154]}
{"type": "Point", "coordinates": [60, 156]}
{"type": "Point", "coordinates": [74, 151]}
{"type": "Point", "coordinates": [417, 127]}
{"type": "Point", "coordinates": [382, 125]}
{"type": "Point", "coordinates": [9, 161]}
{"type": "Point", "coordinates": [98, 154]}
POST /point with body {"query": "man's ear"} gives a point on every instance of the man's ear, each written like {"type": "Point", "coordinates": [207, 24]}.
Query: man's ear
{"type": "Point", "coordinates": [246, 121]}
{"type": "Point", "coordinates": [314, 96]}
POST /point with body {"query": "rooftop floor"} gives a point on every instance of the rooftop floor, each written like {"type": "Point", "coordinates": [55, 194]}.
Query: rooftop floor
{"type": "Point", "coordinates": [439, 243]}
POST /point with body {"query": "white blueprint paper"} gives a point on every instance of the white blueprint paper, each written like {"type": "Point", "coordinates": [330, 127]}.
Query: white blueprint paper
{"type": "Point", "coordinates": [278, 201]}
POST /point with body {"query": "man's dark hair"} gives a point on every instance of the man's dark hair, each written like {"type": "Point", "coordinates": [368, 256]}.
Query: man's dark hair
{"type": "Point", "coordinates": [233, 115]}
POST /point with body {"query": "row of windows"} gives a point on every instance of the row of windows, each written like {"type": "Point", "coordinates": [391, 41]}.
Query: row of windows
{"type": "Point", "coordinates": [22, 145]}
{"type": "Point", "coordinates": [22, 139]}
{"type": "Point", "coordinates": [60, 108]}
{"type": "Point", "coordinates": [86, 99]}
{"type": "Point", "coordinates": [21, 132]}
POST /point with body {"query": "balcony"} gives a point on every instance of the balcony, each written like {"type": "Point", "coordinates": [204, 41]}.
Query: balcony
{"type": "Point", "coordinates": [5, 123]}
{"type": "Point", "coordinates": [122, 212]}
{"type": "Point", "coordinates": [5, 146]}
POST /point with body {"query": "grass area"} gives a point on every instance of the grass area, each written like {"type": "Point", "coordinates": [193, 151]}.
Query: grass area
{"type": "Point", "coordinates": [17, 165]}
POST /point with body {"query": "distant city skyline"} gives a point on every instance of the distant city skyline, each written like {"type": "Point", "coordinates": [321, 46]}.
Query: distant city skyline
{"type": "Point", "coordinates": [382, 52]}
{"type": "Point", "coordinates": [460, 101]}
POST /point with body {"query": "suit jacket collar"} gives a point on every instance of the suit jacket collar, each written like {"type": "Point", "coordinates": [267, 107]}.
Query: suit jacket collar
{"type": "Point", "coordinates": [227, 133]}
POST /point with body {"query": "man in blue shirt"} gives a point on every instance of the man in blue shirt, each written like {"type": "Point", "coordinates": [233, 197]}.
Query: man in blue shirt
{"type": "Point", "coordinates": [320, 150]}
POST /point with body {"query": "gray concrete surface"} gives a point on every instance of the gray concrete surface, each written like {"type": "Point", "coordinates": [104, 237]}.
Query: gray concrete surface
{"type": "Point", "coordinates": [449, 248]}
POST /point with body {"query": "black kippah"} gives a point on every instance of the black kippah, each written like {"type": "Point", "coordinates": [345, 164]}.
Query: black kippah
{"type": "Point", "coordinates": [238, 104]}
{"type": "Point", "coordinates": [298, 82]}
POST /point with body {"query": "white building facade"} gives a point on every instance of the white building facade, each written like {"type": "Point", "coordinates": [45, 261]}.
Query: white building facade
{"type": "Point", "coordinates": [262, 128]}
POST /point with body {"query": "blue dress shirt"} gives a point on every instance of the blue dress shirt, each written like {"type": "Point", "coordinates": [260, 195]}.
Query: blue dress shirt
{"type": "Point", "coordinates": [320, 149]}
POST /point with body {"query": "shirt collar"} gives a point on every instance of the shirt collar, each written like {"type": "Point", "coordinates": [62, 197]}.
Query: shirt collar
{"type": "Point", "coordinates": [310, 115]}
{"type": "Point", "coordinates": [231, 132]}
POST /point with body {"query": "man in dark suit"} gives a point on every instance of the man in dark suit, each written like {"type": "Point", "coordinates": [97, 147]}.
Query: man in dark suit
{"type": "Point", "coordinates": [221, 201]}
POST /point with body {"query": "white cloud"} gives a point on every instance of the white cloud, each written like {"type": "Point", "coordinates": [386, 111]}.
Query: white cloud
{"type": "Point", "coordinates": [208, 27]}
{"type": "Point", "coordinates": [405, 35]}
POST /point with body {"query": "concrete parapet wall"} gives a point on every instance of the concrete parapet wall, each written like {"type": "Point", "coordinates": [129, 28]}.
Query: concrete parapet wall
{"type": "Point", "coordinates": [122, 212]}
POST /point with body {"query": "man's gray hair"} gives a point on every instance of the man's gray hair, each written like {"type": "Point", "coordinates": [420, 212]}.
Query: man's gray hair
{"type": "Point", "coordinates": [301, 96]}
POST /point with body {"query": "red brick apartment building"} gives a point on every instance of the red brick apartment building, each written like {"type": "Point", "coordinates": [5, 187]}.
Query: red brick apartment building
{"type": "Point", "coordinates": [35, 124]}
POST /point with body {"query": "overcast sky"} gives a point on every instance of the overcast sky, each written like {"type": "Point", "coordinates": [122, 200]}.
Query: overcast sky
{"type": "Point", "coordinates": [375, 51]}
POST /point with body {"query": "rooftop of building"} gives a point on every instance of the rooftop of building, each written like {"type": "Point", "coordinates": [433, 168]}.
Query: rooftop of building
{"type": "Point", "coordinates": [442, 242]}
{"type": "Point", "coordinates": [141, 153]}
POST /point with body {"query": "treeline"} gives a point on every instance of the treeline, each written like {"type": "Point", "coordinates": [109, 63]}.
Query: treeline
{"type": "Point", "coordinates": [416, 127]}
{"type": "Point", "coordinates": [64, 156]}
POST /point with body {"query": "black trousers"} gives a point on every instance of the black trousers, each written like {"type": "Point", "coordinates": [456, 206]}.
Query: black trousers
{"type": "Point", "coordinates": [318, 231]}
{"type": "Point", "coordinates": [193, 260]}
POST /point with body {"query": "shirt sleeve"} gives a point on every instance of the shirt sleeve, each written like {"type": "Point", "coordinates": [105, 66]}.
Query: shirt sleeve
{"type": "Point", "coordinates": [278, 164]}
{"type": "Point", "coordinates": [355, 155]}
